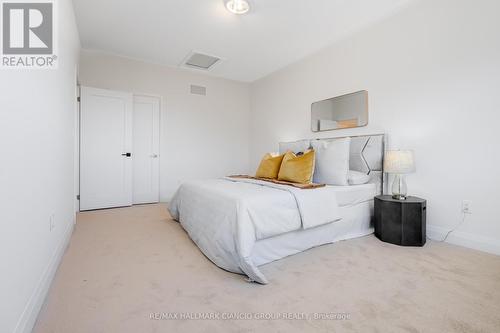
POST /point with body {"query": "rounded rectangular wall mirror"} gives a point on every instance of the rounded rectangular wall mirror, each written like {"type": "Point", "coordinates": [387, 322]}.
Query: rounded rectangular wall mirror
{"type": "Point", "coordinates": [346, 111]}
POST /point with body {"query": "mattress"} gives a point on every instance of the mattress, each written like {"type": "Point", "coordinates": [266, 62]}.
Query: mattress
{"type": "Point", "coordinates": [357, 221]}
{"type": "Point", "coordinates": [356, 209]}
{"type": "Point", "coordinates": [225, 218]}
{"type": "Point", "coordinates": [354, 194]}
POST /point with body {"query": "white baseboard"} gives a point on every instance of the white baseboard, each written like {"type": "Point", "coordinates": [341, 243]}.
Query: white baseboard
{"type": "Point", "coordinates": [465, 239]}
{"type": "Point", "coordinates": [30, 313]}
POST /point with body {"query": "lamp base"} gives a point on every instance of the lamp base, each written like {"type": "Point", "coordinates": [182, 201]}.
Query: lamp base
{"type": "Point", "coordinates": [399, 189]}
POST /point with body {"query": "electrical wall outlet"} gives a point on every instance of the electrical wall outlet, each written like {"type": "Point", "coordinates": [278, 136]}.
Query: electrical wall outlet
{"type": "Point", "coordinates": [52, 222]}
{"type": "Point", "coordinates": [466, 207]}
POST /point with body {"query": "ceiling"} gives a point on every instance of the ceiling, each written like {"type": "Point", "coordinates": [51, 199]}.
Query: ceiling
{"type": "Point", "coordinates": [274, 34]}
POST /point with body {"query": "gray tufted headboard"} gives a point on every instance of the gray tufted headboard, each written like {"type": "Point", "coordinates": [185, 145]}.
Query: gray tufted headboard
{"type": "Point", "coordinates": [366, 155]}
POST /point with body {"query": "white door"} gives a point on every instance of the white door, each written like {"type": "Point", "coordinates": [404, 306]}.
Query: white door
{"type": "Point", "coordinates": [146, 145]}
{"type": "Point", "coordinates": [105, 147]}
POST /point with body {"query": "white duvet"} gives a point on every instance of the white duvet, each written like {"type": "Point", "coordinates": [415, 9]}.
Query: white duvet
{"type": "Point", "coordinates": [225, 217]}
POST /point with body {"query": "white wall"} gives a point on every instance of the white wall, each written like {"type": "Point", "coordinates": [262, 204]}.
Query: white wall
{"type": "Point", "coordinates": [36, 177]}
{"type": "Point", "coordinates": [201, 136]}
{"type": "Point", "coordinates": [433, 76]}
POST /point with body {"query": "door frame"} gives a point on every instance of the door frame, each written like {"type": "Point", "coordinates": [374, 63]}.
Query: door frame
{"type": "Point", "coordinates": [77, 159]}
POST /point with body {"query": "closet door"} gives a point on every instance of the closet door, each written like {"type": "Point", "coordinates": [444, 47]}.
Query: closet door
{"type": "Point", "coordinates": [146, 145]}
{"type": "Point", "coordinates": [105, 148]}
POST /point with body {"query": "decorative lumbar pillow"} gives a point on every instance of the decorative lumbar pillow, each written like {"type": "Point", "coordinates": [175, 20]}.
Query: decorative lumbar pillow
{"type": "Point", "coordinates": [297, 169]}
{"type": "Point", "coordinates": [269, 166]}
{"type": "Point", "coordinates": [332, 161]}
{"type": "Point", "coordinates": [295, 147]}
{"type": "Point", "coordinates": [357, 178]}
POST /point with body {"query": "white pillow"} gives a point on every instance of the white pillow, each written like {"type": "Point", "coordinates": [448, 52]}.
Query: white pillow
{"type": "Point", "coordinates": [332, 161]}
{"type": "Point", "coordinates": [357, 178]}
{"type": "Point", "coordinates": [296, 146]}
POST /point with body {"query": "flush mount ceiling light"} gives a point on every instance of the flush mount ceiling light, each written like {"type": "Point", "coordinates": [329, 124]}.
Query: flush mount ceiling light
{"type": "Point", "coordinates": [238, 6]}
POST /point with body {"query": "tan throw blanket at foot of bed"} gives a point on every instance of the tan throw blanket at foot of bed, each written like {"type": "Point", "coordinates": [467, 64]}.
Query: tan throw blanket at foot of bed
{"type": "Point", "coordinates": [281, 182]}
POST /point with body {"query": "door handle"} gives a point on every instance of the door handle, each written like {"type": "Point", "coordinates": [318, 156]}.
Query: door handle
{"type": "Point", "coordinates": [127, 154]}
{"type": "Point", "coordinates": [154, 156]}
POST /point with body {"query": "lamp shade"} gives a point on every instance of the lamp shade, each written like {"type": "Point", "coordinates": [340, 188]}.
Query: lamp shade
{"type": "Point", "coordinates": [399, 161]}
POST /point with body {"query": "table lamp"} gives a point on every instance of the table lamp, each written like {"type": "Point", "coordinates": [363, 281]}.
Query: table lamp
{"type": "Point", "coordinates": [399, 163]}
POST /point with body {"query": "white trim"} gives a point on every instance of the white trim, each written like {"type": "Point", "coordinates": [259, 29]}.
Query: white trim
{"type": "Point", "coordinates": [465, 239]}
{"type": "Point", "coordinates": [28, 317]}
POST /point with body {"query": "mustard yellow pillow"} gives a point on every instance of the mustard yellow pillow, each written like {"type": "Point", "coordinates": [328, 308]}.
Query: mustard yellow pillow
{"type": "Point", "coordinates": [269, 166]}
{"type": "Point", "coordinates": [297, 169]}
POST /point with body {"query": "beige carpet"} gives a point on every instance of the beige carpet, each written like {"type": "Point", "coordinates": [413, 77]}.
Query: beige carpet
{"type": "Point", "coordinates": [124, 264]}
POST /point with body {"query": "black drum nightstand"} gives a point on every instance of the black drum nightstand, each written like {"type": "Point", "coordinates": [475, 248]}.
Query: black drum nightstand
{"type": "Point", "coordinates": [400, 222]}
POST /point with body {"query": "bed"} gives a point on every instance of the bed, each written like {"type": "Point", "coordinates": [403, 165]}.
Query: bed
{"type": "Point", "coordinates": [241, 224]}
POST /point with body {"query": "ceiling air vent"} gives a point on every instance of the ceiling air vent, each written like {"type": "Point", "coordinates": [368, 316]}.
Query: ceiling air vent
{"type": "Point", "coordinates": [200, 61]}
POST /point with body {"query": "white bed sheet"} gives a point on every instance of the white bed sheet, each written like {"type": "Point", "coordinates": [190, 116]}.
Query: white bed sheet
{"type": "Point", "coordinates": [354, 194]}
{"type": "Point", "coordinates": [225, 217]}
{"type": "Point", "coordinates": [207, 211]}
{"type": "Point", "coordinates": [357, 221]}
